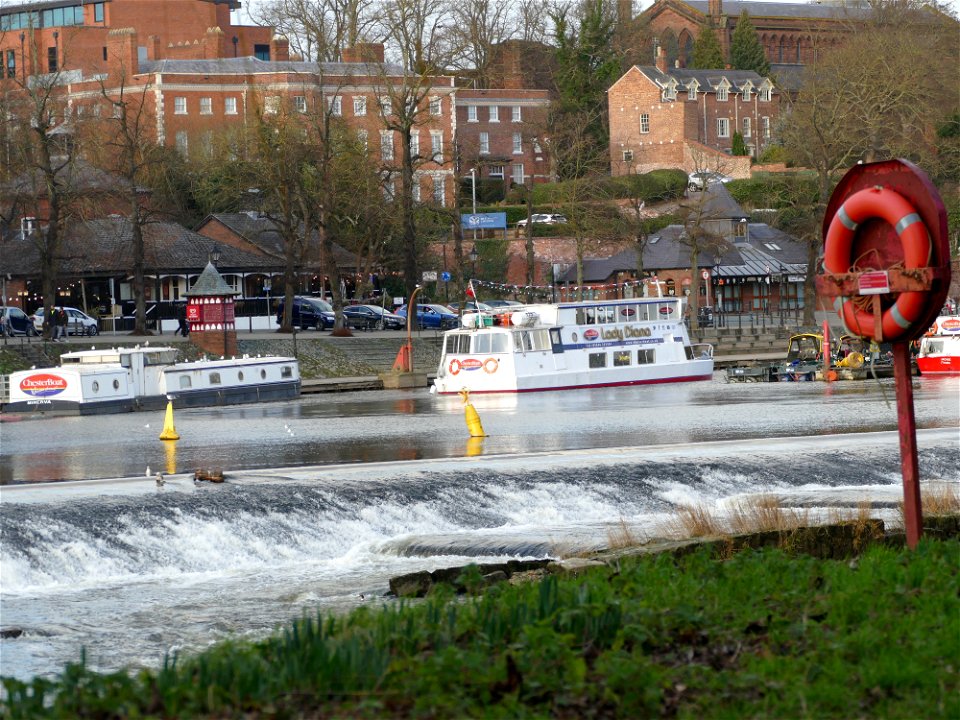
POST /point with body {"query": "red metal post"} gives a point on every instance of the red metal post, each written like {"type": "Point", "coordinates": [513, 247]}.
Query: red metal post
{"type": "Point", "coordinates": [912, 513]}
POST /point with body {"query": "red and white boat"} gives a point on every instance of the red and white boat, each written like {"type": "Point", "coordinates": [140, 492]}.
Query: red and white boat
{"type": "Point", "coordinates": [940, 348]}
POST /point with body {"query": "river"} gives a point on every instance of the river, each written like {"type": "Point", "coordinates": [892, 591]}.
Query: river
{"type": "Point", "coordinates": [329, 496]}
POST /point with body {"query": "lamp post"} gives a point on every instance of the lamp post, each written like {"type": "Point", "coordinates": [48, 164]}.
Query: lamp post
{"type": "Point", "coordinates": [473, 260]}
{"type": "Point", "coordinates": [473, 190]}
{"type": "Point", "coordinates": [214, 255]}
{"type": "Point", "coordinates": [717, 299]}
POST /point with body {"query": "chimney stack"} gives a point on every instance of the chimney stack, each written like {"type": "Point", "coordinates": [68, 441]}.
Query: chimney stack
{"type": "Point", "coordinates": [661, 60]}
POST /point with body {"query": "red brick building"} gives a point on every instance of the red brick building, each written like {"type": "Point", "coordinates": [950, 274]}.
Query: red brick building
{"type": "Point", "coordinates": [679, 118]}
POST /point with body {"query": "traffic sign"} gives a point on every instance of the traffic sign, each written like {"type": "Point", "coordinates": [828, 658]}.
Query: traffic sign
{"type": "Point", "coordinates": [705, 274]}
{"type": "Point", "coordinates": [445, 276]}
{"type": "Point", "coordinates": [429, 275]}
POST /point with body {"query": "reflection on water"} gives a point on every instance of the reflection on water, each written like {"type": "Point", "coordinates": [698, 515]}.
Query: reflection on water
{"type": "Point", "coordinates": [405, 425]}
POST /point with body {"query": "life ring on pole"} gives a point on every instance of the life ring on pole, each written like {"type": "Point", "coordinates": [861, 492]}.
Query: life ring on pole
{"type": "Point", "coordinates": [892, 207]}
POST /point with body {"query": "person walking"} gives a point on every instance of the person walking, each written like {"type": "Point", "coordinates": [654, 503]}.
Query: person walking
{"type": "Point", "coordinates": [61, 324]}
{"type": "Point", "coordinates": [182, 327]}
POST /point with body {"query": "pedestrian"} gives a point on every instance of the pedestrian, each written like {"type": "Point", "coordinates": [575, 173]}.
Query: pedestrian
{"type": "Point", "coordinates": [61, 320]}
{"type": "Point", "coordinates": [182, 326]}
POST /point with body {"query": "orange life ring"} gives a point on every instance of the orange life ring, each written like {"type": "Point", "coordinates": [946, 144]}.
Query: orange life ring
{"type": "Point", "coordinates": [891, 206]}
{"type": "Point", "coordinates": [454, 367]}
{"type": "Point", "coordinates": [490, 365]}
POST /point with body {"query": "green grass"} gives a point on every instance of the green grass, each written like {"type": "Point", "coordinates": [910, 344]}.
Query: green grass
{"type": "Point", "coordinates": [761, 635]}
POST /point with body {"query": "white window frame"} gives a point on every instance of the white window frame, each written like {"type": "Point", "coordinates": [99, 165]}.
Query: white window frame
{"type": "Point", "coordinates": [436, 106]}
{"type": "Point", "coordinates": [472, 113]}
{"type": "Point", "coordinates": [765, 126]}
{"type": "Point", "coordinates": [206, 106]}
{"type": "Point", "coordinates": [516, 114]}
{"type": "Point", "coordinates": [386, 145]}
{"type": "Point", "coordinates": [722, 94]}
{"type": "Point", "coordinates": [747, 94]}
{"type": "Point", "coordinates": [692, 92]}
{"type": "Point", "coordinates": [271, 105]}
{"type": "Point", "coordinates": [335, 105]}
{"type": "Point", "coordinates": [359, 105]}
{"type": "Point", "coordinates": [723, 127]}
{"type": "Point", "coordinates": [363, 138]}
{"type": "Point", "coordinates": [494, 111]}
{"type": "Point", "coordinates": [439, 194]}
{"type": "Point", "coordinates": [517, 174]}
{"type": "Point", "coordinates": [517, 143]}
{"type": "Point", "coordinates": [627, 155]}
{"type": "Point", "coordinates": [183, 142]}
{"type": "Point", "coordinates": [230, 106]}
{"type": "Point", "coordinates": [386, 106]}
{"type": "Point", "coordinates": [496, 171]}
{"type": "Point", "coordinates": [300, 103]}
{"type": "Point", "coordinates": [414, 143]}
{"type": "Point", "coordinates": [484, 143]}
{"type": "Point", "coordinates": [747, 129]}
{"type": "Point", "coordinates": [765, 94]}
{"type": "Point", "coordinates": [415, 190]}
{"type": "Point", "coordinates": [644, 123]}
{"type": "Point", "coordinates": [179, 105]}
{"type": "Point", "coordinates": [436, 145]}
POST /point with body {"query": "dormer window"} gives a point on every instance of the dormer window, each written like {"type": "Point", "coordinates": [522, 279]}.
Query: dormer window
{"type": "Point", "coordinates": [670, 90]}
{"type": "Point", "coordinates": [692, 91]}
{"type": "Point", "coordinates": [722, 93]}
{"type": "Point", "coordinates": [747, 91]}
{"type": "Point", "coordinates": [765, 93]}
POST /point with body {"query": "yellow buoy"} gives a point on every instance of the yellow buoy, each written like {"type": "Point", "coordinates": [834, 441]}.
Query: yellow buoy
{"type": "Point", "coordinates": [169, 431]}
{"type": "Point", "coordinates": [470, 414]}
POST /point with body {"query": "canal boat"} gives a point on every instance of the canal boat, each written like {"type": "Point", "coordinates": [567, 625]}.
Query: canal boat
{"type": "Point", "coordinates": [940, 348]}
{"type": "Point", "coordinates": [570, 345]}
{"type": "Point", "coordinates": [116, 380]}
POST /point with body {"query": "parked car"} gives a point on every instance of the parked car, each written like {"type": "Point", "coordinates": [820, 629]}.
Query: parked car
{"type": "Point", "coordinates": [432, 316]}
{"type": "Point", "coordinates": [469, 306]}
{"type": "Point", "coordinates": [16, 322]}
{"type": "Point", "coordinates": [78, 322]}
{"type": "Point", "coordinates": [543, 219]}
{"type": "Point", "coordinates": [698, 181]}
{"type": "Point", "coordinates": [705, 316]}
{"type": "Point", "coordinates": [372, 317]}
{"type": "Point", "coordinates": [309, 312]}
{"type": "Point", "coordinates": [503, 303]}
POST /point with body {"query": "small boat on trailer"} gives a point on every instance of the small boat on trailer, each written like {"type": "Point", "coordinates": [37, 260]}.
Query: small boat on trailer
{"type": "Point", "coordinates": [91, 382]}
{"type": "Point", "coordinates": [565, 346]}
{"type": "Point", "coordinates": [940, 348]}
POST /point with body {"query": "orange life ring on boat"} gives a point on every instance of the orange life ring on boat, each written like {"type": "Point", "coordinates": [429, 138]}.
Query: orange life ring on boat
{"type": "Point", "coordinates": [891, 206]}
{"type": "Point", "coordinates": [454, 367]}
{"type": "Point", "coordinates": [490, 365]}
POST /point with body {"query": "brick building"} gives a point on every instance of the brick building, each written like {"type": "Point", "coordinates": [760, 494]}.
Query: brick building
{"type": "Point", "coordinates": [500, 134]}
{"type": "Point", "coordinates": [790, 33]}
{"type": "Point", "coordinates": [678, 118]}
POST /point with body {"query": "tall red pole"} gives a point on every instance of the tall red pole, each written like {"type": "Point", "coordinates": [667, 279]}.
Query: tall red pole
{"type": "Point", "coordinates": [912, 514]}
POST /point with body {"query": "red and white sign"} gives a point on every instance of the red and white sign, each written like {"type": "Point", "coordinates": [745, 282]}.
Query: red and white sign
{"type": "Point", "coordinates": [876, 282]}
{"type": "Point", "coordinates": [590, 334]}
{"type": "Point", "coordinates": [43, 385]}
{"type": "Point", "coordinates": [705, 274]}
{"type": "Point", "coordinates": [950, 326]}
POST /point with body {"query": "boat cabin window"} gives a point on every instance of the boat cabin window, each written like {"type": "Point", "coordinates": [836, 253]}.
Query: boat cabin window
{"type": "Point", "coordinates": [664, 311]}
{"type": "Point", "coordinates": [646, 357]}
{"type": "Point", "coordinates": [627, 313]}
{"type": "Point", "coordinates": [490, 343]}
{"type": "Point", "coordinates": [457, 344]}
{"type": "Point", "coordinates": [606, 314]}
{"type": "Point", "coordinates": [214, 378]}
{"type": "Point", "coordinates": [598, 360]}
{"type": "Point", "coordinates": [932, 347]}
{"type": "Point", "coordinates": [621, 358]}
{"type": "Point", "coordinates": [166, 357]}
{"type": "Point", "coordinates": [286, 371]}
{"type": "Point", "coordinates": [555, 340]}
{"type": "Point", "coordinates": [185, 382]}
{"type": "Point", "coordinates": [529, 340]}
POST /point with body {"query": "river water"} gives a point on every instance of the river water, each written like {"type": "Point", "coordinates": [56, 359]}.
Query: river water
{"type": "Point", "coordinates": [329, 496]}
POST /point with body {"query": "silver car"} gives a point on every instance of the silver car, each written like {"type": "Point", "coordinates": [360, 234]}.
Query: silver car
{"type": "Point", "coordinates": [78, 322]}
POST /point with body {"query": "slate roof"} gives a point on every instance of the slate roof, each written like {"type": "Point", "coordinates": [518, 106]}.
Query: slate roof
{"type": "Point", "coordinates": [707, 79]}
{"type": "Point", "coordinates": [210, 283]}
{"type": "Point", "coordinates": [798, 11]}
{"type": "Point", "coordinates": [262, 232]}
{"type": "Point", "coordinates": [788, 77]}
{"type": "Point", "coordinates": [78, 176]}
{"type": "Point", "coordinates": [104, 247]}
{"type": "Point", "coordinates": [251, 66]}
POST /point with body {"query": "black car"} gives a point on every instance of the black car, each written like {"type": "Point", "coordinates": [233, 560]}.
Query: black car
{"type": "Point", "coordinates": [16, 321]}
{"type": "Point", "coordinates": [309, 312]}
{"type": "Point", "coordinates": [705, 316]}
{"type": "Point", "coordinates": [372, 317]}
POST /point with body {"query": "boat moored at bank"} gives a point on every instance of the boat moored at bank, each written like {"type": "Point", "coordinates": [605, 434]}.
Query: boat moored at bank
{"type": "Point", "coordinates": [599, 343]}
{"type": "Point", "coordinates": [939, 352]}
{"type": "Point", "coordinates": [141, 378]}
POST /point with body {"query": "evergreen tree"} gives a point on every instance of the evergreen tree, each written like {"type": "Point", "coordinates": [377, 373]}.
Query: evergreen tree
{"type": "Point", "coordinates": [739, 146]}
{"type": "Point", "coordinates": [707, 54]}
{"type": "Point", "coordinates": [746, 52]}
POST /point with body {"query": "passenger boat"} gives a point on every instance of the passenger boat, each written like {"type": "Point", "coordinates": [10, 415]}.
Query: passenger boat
{"type": "Point", "coordinates": [90, 382]}
{"type": "Point", "coordinates": [940, 348]}
{"type": "Point", "coordinates": [564, 346]}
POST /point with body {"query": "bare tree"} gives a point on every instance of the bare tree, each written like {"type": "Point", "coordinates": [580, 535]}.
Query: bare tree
{"type": "Point", "coordinates": [319, 29]}
{"type": "Point", "coordinates": [478, 27]}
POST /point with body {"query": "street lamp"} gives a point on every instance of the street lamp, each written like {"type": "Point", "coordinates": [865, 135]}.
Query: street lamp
{"type": "Point", "coordinates": [215, 254]}
{"type": "Point", "coordinates": [473, 260]}
{"type": "Point", "coordinates": [473, 189]}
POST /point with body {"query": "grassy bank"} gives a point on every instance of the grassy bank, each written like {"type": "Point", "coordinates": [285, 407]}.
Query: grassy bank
{"type": "Point", "coordinates": [761, 634]}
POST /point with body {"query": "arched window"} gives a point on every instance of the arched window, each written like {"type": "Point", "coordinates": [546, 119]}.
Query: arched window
{"type": "Point", "coordinates": [780, 50]}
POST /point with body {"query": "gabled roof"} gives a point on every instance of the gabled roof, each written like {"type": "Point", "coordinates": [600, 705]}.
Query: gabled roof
{"type": "Point", "coordinates": [795, 11]}
{"type": "Point", "coordinates": [707, 80]}
{"type": "Point", "coordinates": [105, 247]}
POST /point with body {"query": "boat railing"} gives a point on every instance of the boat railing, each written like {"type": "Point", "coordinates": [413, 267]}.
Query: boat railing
{"type": "Point", "coordinates": [701, 350]}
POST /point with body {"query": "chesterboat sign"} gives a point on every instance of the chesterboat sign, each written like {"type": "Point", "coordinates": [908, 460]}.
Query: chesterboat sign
{"type": "Point", "coordinates": [43, 385]}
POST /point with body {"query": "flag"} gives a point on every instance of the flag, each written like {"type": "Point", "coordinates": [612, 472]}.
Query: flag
{"type": "Point", "coordinates": [470, 292]}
